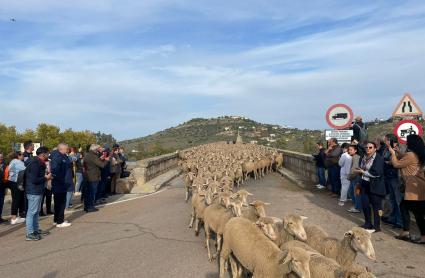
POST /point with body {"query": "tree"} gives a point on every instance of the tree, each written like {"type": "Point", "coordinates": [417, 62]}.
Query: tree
{"type": "Point", "coordinates": [48, 135]}
{"type": "Point", "coordinates": [7, 138]}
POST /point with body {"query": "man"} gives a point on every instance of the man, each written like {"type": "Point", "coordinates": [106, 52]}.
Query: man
{"type": "Point", "coordinates": [124, 159]}
{"type": "Point", "coordinates": [320, 165]}
{"type": "Point", "coordinates": [93, 165]}
{"type": "Point", "coordinates": [29, 149]}
{"type": "Point", "coordinates": [2, 186]}
{"type": "Point", "coordinates": [34, 181]}
{"type": "Point", "coordinates": [332, 158]}
{"type": "Point", "coordinates": [359, 130]}
{"type": "Point", "coordinates": [61, 169]}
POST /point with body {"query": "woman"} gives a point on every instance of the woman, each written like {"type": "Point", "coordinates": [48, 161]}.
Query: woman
{"type": "Point", "coordinates": [411, 166]}
{"type": "Point", "coordinates": [355, 180]}
{"type": "Point", "coordinates": [372, 186]}
{"type": "Point", "coordinates": [18, 196]}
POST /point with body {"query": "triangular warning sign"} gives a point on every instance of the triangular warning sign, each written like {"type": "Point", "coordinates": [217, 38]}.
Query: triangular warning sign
{"type": "Point", "coordinates": [407, 107]}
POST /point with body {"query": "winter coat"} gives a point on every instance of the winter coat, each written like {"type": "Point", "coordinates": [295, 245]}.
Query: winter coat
{"type": "Point", "coordinates": [34, 176]}
{"type": "Point", "coordinates": [61, 169]}
{"type": "Point", "coordinates": [92, 165]}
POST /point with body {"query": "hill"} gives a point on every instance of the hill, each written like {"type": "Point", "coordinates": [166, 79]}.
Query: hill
{"type": "Point", "coordinates": [201, 131]}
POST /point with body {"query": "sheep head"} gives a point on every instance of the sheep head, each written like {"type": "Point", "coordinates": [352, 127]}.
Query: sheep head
{"type": "Point", "coordinates": [260, 208]}
{"type": "Point", "coordinates": [224, 199]}
{"type": "Point", "coordinates": [243, 195]}
{"type": "Point", "coordinates": [293, 224]}
{"type": "Point", "coordinates": [266, 224]}
{"type": "Point", "coordinates": [296, 260]}
{"type": "Point", "coordinates": [236, 205]}
{"type": "Point", "coordinates": [361, 242]}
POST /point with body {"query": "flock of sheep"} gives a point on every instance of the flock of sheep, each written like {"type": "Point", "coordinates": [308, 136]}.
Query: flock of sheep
{"type": "Point", "coordinates": [249, 240]}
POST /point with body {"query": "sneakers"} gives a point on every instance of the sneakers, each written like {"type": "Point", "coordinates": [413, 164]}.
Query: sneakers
{"type": "Point", "coordinates": [42, 233]}
{"type": "Point", "coordinates": [17, 220]}
{"type": "Point", "coordinates": [353, 210]}
{"type": "Point", "coordinates": [319, 186]}
{"type": "Point", "coordinates": [341, 203]}
{"type": "Point", "coordinates": [63, 225]}
{"type": "Point", "coordinates": [33, 237]}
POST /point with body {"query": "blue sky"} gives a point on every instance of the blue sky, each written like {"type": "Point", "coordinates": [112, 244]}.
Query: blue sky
{"type": "Point", "coordinates": [135, 67]}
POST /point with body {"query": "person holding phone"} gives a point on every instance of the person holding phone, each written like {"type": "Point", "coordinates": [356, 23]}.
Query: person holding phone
{"type": "Point", "coordinates": [392, 182]}
{"type": "Point", "coordinates": [411, 166]}
{"type": "Point", "coordinates": [372, 186]}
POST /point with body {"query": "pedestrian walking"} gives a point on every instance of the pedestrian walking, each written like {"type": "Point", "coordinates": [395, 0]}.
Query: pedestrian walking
{"type": "Point", "coordinates": [320, 158]}
{"type": "Point", "coordinates": [355, 181]}
{"type": "Point", "coordinates": [372, 186]}
{"type": "Point", "coordinates": [62, 180]}
{"type": "Point", "coordinates": [93, 163]}
{"type": "Point", "coordinates": [345, 163]}
{"type": "Point", "coordinates": [411, 166]}
{"type": "Point", "coordinates": [16, 166]}
{"type": "Point", "coordinates": [35, 178]}
{"type": "Point", "coordinates": [332, 158]}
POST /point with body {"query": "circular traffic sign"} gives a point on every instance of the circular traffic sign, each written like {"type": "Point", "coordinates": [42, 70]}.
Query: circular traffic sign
{"type": "Point", "coordinates": [407, 127]}
{"type": "Point", "coordinates": [339, 116]}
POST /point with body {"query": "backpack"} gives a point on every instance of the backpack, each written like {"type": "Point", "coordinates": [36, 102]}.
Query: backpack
{"type": "Point", "coordinates": [363, 134]}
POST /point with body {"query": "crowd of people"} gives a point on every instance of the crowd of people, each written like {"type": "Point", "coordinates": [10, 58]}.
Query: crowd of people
{"type": "Point", "coordinates": [62, 173]}
{"type": "Point", "coordinates": [383, 179]}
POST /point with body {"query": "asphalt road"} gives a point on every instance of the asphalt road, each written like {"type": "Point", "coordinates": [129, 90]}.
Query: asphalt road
{"type": "Point", "coordinates": [148, 237]}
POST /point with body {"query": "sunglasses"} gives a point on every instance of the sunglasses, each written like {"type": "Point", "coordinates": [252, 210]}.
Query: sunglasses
{"type": "Point", "coordinates": [370, 148]}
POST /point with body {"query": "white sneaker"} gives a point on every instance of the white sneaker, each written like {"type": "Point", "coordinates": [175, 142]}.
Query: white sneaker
{"type": "Point", "coordinates": [341, 203]}
{"type": "Point", "coordinates": [17, 220]}
{"type": "Point", "coordinates": [63, 225]}
{"type": "Point", "coordinates": [318, 185]}
{"type": "Point", "coordinates": [321, 187]}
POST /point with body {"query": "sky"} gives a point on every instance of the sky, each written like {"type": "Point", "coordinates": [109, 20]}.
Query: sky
{"type": "Point", "coordinates": [132, 68]}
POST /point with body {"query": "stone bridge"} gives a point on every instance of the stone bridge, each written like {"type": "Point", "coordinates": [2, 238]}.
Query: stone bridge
{"type": "Point", "coordinates": [144, 233]}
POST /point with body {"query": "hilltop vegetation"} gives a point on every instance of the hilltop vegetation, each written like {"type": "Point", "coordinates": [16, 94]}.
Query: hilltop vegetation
{"type": "Point", "coordinates": [201, 131]}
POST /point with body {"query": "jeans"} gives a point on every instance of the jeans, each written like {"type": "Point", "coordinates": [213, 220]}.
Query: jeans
{"type": "Point", "coordinates": [69, 195]}
{"type": "Point", "coordinates": [345, 186]}
{"type": "Point", "coordinates": [321, 176]}
{"type": "Point", "coordinates": [357, 200]}
{"type": "Point", "coordinates": [60, 202]}
{"type": "Point", "coordinates": [90, 194]}
{"type": "Point", "coordinates": [100, 191]}
{"type": "Point", "coordinates": [395, 200]}
{"type": "Point", "coordinates": [334, 178]}
{"type": "Point", "coordinates": [79, 182]}
{"type": "Point", "coordinates": [34, 204]}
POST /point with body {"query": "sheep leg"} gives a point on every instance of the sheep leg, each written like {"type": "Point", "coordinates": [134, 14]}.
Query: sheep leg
{"type": "Point", "coordinates": [219, 237]}
{"type": "Point", "coordinates": [193, 216]}
{"type": "Point", "coordinates": [234, 267]}
{"type": "Point", "coordinates": [207, 241]}
{"type": "Point", "coordinates": [187, 195]}
{"type": "Point", "coordinates": [196, 226]}
{"type": "Point", "coordinates": [223, 267]}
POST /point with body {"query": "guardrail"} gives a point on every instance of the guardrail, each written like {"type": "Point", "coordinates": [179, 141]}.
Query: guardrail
{"type": "Point", "coordinates": [301, 164]}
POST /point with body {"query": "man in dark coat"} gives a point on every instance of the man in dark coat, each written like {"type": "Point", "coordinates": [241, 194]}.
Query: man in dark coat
{"type": "Point", "coordinates": [93, 163]}
{"type": "Point", "coordinates": [34, 181]}
{"type": "Point", "coordinates": [61, 169]}
{"type": "Point", "coordinates": [29, 148]}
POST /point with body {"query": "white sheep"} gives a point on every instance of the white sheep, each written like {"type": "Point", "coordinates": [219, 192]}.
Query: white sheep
{"type": "Point", "coordinates": [258, 254]}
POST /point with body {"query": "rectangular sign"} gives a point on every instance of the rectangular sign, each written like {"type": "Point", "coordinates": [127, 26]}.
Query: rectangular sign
{"type": "Point", "coordinates": [343, 135]}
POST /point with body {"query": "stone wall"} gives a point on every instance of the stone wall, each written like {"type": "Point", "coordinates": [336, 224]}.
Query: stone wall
{"type": "Point", "coordinates": [148, 169]}
{"type": "Point", "coordinates": [144, 172]}
{"type": "Point", "coordinates": [301, 164]}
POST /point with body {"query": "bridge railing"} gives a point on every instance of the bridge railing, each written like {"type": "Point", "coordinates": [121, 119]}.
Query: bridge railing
{"type": "Point", "coordinates": [301, 164]}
